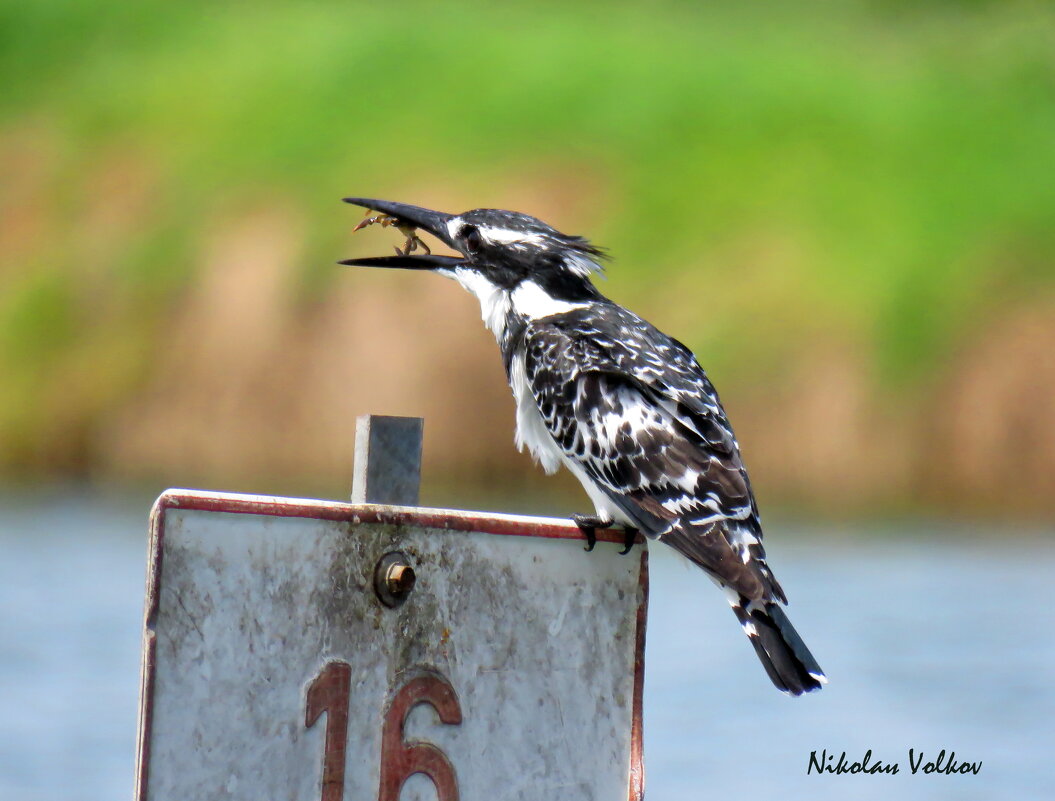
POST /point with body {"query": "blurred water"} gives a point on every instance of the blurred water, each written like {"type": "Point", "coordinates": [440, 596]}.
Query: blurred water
{"type": "Point", "coordinates": [71, 603]}
{"type": "Point", "coordinates": [931, 642]}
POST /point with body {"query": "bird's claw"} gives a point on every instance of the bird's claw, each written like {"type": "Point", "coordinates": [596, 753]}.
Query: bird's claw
{"type": "Point", "coordinates": [588, 525]}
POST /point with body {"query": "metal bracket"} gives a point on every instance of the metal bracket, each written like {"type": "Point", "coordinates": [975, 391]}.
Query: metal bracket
{"type": "Point", "coordinates": [387, 466]}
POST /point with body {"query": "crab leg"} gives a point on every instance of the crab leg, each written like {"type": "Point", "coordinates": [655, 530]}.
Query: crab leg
{"type": "Point", "coordinates": [384, 220]}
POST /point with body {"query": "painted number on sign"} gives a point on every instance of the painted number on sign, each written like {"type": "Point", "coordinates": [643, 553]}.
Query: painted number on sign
{"type": "Point", "coordinates": [330, 692]}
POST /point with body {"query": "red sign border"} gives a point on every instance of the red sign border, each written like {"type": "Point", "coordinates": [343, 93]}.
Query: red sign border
{"type": "Point", "coordinates": [274, 506]}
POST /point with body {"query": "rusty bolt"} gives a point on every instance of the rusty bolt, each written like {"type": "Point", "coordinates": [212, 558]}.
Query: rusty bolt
{"type": "Point", "coordinates": [393, 579]}
{"type": "Point", "coordinates": [400, 579]}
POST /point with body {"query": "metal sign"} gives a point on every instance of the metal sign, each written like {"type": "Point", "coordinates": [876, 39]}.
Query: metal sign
{"type": "Point", "coordinates": [298, 649]}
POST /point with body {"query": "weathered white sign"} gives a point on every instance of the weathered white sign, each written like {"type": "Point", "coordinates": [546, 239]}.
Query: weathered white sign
{"type": "Point", "coordinates": [499, 661]}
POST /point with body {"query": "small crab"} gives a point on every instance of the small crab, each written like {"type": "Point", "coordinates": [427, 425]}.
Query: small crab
{"type": "Point", "coordinates": [409, 231]}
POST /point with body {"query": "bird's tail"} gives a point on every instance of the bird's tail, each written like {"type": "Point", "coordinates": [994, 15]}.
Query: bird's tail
{"type": "Point", "coordinates": [783, 654]}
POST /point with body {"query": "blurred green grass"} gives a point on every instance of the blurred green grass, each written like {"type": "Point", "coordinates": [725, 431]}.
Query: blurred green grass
{"type": "Point", "coordinates": [893, 162]}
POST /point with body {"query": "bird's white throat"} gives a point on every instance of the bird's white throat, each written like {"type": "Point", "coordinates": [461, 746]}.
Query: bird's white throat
{"type": "Point", "coordinates": [527, 300]}
{"type": "Point", "coordinates": [494, 300]}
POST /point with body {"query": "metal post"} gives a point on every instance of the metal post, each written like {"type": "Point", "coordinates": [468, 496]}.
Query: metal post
{"type": "Point", "coordinates": [387, 465]}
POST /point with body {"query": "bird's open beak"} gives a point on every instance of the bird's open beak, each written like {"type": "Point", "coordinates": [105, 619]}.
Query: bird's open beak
{"type": "Point", "coordinates": [410, 217]}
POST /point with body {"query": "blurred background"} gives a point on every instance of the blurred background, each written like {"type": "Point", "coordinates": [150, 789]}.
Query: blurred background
{"type": "Point", "coordinates": [847, 209]}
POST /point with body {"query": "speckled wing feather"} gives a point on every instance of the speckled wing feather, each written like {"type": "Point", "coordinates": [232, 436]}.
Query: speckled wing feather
{"type": "Point", "coordinates": [634, 409]}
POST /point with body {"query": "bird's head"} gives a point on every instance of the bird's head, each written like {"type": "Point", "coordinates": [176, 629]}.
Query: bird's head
{"type": "Point", "coordinates": [500, 250]}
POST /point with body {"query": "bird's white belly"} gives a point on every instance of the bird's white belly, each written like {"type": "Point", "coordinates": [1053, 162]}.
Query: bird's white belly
{"type": "Point", "coordinates": [606, 510]}
{"type": "Point", "coordinates": [531, 432]}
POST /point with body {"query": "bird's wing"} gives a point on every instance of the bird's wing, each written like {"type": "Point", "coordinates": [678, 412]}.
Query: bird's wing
{"type": "Point", "coordinates": [635, 410]}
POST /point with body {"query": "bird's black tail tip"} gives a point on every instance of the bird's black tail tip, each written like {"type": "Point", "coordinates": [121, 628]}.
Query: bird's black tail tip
{"type": "Point", "coordinates": [787, 660]}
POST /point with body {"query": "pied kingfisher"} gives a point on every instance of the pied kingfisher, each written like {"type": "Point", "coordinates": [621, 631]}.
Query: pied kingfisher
{"type": "Point", "coordinates": [626, 408]}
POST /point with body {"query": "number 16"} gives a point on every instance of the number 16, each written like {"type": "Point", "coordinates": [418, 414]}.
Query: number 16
{"type": "Point", "coordinates": [330, 691]}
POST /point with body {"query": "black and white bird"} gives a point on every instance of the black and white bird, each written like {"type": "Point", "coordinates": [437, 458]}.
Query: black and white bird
{"type": "Point", "coordinates": [626, 408]}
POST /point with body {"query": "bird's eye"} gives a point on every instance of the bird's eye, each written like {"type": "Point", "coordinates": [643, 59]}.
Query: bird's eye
{"type": "Point", "coordinates": [472, 238]}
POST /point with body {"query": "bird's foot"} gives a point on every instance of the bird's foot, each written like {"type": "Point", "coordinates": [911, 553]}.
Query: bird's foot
{"type": "Point", "coordinates": [629, 537]}
{"type": "Point", "coordinates": [588, 525]}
